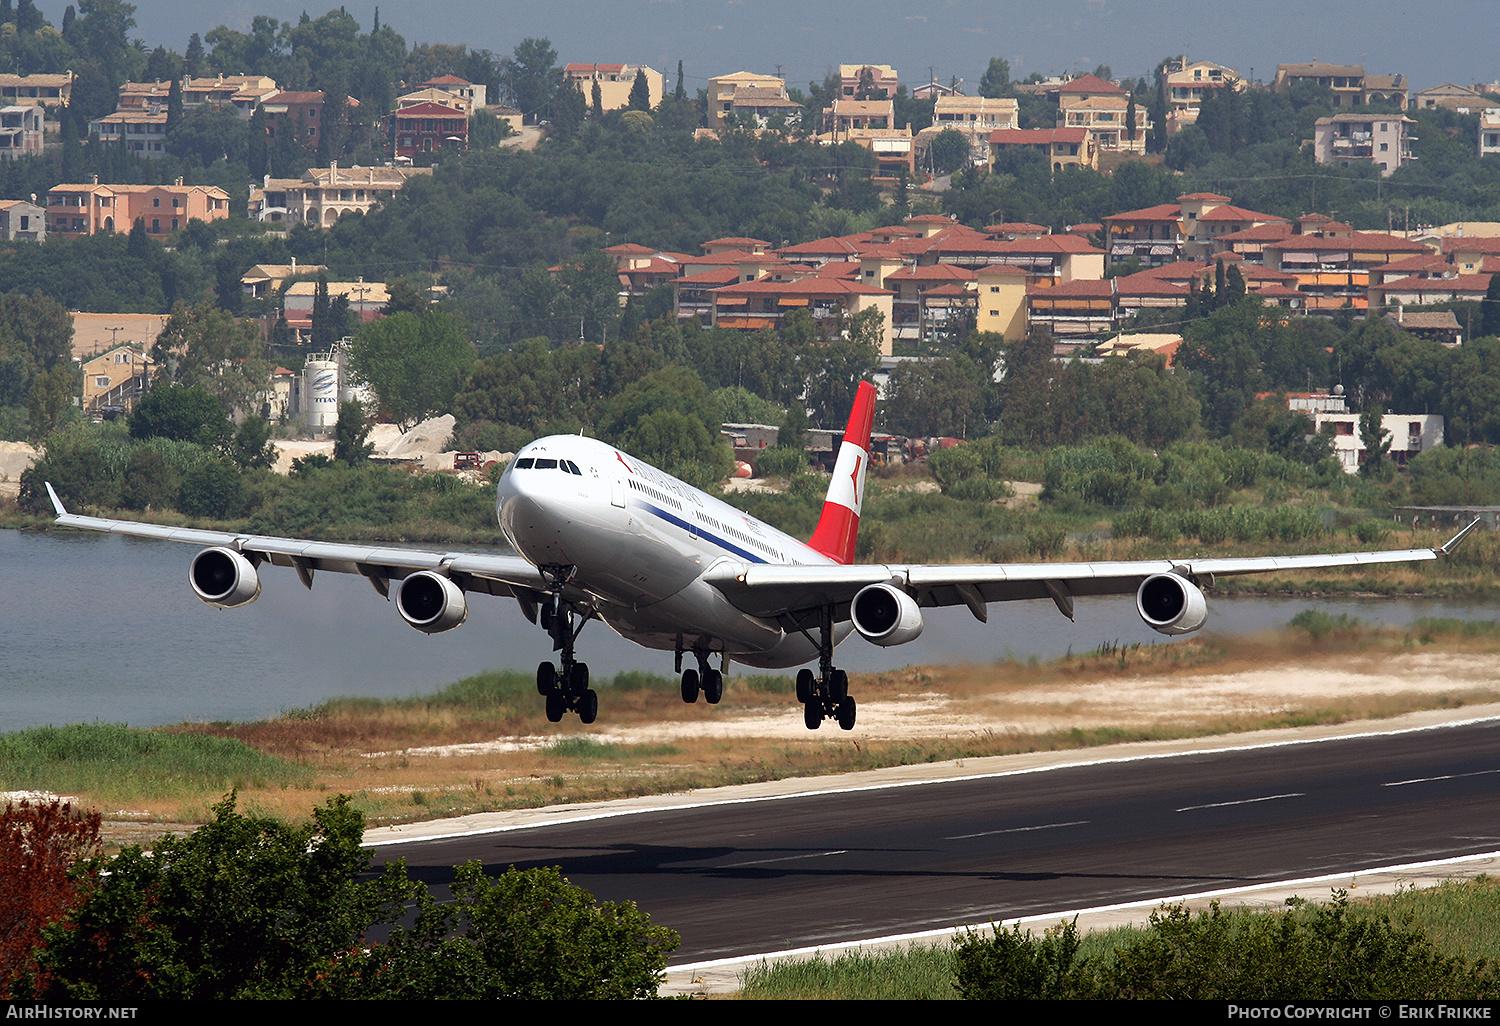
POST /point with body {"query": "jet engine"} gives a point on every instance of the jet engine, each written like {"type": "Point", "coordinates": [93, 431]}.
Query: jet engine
{"type": "Point", "coordinates": [1171, 604]}
{"type": "Point", "coordinates": [886, 615]}
{"type": "Point", "coordinates": [431, 602]}
{"type": "Point", "coordinates": [224, 578]}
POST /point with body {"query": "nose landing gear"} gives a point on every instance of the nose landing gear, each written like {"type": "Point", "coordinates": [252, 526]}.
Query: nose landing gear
{"type": "Point", "coordinates": [565, 686]}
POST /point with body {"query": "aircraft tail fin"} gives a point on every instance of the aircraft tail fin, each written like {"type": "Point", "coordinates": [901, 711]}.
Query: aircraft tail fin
{"type": "Point", "coordinates": [838, 527]}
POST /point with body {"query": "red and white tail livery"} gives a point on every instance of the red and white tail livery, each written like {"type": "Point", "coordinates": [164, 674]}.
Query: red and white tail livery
{"type": "Point", "coordinates": [838, 527]}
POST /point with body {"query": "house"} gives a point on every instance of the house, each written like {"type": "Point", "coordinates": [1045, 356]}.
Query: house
{"type": "Point", "coordinates": [1350, 85]}
{"type": "Point", "coordinates": [22, 219]}
{"type": "Point", "coordinates": [1450, 97]}
{"type": "Point", "coordinates": [1489, 131]}
{"type": "Point", "coordinates": [297, 112]}
{"type": "Point", "coordinates": [1190, 229]}
{"type": "Point", "coordinates": [116, 378]}
{"type": "Point", "coordinates": [1332, 263]}
{"type": "Point", "coordinates": [22, 126]}
{"type": "Point", "coordinates": [47, 90]}
{"type": "Point", "coordinates": [1436, 326]}
{"type": "Point", "coordinates": [428, 127]}
{"type": "Point", "coordinates": [264, 279]}
{"type": "Point", "coordinates": [753, 305]}
{"type": "Point", "coordinates": [1082, 88]}
{"type": "Point", "coordinates": [1108, 120]}
{"type": "Point", "coordinates": [723, 89]}
{"type": "Point", "coordinates": [142, 132]}
{"type": "Point", "coordinates": [1189, 84]}
{"type": "Point", "coordinates": [615, 82]}
{"type": "Point", "coordinates": [975, 116]}
{"type": "Point", "coordinates": [74, 210]}
{"type": "Point", "coordinates": [1063, 147]}
{"type": "Point", "coordinates": [366, 299]}
{"type": "Point", "coordinates": [882, 81]}
{"type": "Point", "coordinates": [1163, 344]}
{"type": "Point", "coordinates": [1410, 435]}
{"type": "Point", "coordinates": [1348, 138]}
{"type": "Point", "coordinates": [1072, 308]}
{"type": "Point", "coordinates": [761, 106]}
{"type": "Point", "coordinates": [432, 95]}
{"type": "Point", "coordinates": [471, 93]}
{"type": "Point", "coordinates": [324, 194]}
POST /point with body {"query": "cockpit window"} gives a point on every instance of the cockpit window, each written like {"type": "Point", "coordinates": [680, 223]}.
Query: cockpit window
{"type": "Point", "coordinates": [524, 463]}
{"type": "Point", "coordinates": [572, 467]}
{"type": "Point", "coordinates": [546, 464]}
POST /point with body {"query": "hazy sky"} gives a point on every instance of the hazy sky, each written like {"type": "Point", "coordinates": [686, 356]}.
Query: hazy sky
{"type": "Point", "coordinates": [1450, 40]}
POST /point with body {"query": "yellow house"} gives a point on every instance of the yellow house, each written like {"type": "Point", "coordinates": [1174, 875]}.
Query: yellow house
{"type": "Point", "coordinates": [1001, 304]}
{"type": "Point", "coordinates": [115, 378]}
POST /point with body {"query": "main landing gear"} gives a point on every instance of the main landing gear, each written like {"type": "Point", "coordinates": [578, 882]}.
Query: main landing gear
{"type": "Point", "coordinates": [826, 695]}
{"type": "Point", "coordinates": [566, 687]}
{"type": "Point", "coordinates": [705, 678]}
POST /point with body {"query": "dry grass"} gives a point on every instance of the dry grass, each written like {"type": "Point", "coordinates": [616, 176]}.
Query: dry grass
{"type": "Point", "coordinates": [485, 745]}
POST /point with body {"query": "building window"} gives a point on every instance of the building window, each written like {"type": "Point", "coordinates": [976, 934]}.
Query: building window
{"type": "Point", "coordinates": [156, 201]}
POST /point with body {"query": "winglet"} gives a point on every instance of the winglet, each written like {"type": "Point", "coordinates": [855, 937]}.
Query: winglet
{"type": "Point", "coordinates": [56, 502]}
{"type": "Point", "coordinates": [1452, 543]}
{"type": "Point", "coordinates": [838, 527]}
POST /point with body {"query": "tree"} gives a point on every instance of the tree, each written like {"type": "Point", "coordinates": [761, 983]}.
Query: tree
{"type": "Point", "coordinates": [526, 935]}
{"type": "Point", "coordinates": [414, 363]}
{"type": "Point", "coordinates": [1489, 309]}
{"type": "Point", "coordinates": [202, 345]}
{"type": "Point", "coordinates": [996, 80]}
{"type": "Point", "coordinates": [667, 420]}
{"type": "Point", "coordinates": [349, 445]}
{"type": "Point", "coordinates": [640, 92]}
{"type": "Point", "coordinates": [680, 93]}
{"type": "Point", "coordinates": [183, 413]}
{"type": "Point", "coordinates": [948, 151]}
{"type": "Point", "coordinates": [1376, 443]}
{"type": "Point", "coordinates": [530, 77]}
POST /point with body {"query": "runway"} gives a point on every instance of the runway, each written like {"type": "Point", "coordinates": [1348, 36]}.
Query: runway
{"type": "Point", "coordinates": [771, 874]}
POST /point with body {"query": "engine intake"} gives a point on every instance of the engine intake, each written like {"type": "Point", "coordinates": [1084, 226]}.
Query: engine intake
{"type": "Point", "coordinates": [224, 578]}
{"type": "Point", "coordinates": [1171, 604]}
{"type": "Point", "coordinates": [431, 602]}
{"type": "Point", "coordinates": [886, 615]}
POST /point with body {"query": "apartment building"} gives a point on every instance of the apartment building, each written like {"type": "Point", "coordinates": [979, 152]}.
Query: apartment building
{"type": "Point", "coordinates": [324, 194]}
{"type": "Point", "coordinates": [1489, 132]}
{"type": "Point", "coordinates": [724, 94]}
{"type": "Point", "coordinates": [1345, 139]}
{"type": "Point", "coordinates": [1063, 147]}
{"type": "Point", "coordinates": [22, 126]}
{"type": "Point", "coordinates": [1107, 119]}
{"type": "Point", "coordinates": [615, 82]}
{"type": "Point", "coordinates": [1188, 85]}
{"type": "Point", "coordinates": [881, 80]}
{"type": "Point", "coordinates": [1350, 85]}
{"type": "Point", "coordinates": [74, 210]}
{"type": "Point", "coordinates": [143, 132]}
{"type": "Point", "coordinates": [47, 90]}
{"type": "Point", "coordinates": [428, 127]}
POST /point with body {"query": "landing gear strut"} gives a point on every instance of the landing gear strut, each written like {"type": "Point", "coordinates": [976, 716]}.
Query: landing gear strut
{"type": "Point", "coordinates": [826, 695]}
{"type": "Point", "coordinates": [705, 678]}
{"type": "Point", "coordinates": [566, 687]}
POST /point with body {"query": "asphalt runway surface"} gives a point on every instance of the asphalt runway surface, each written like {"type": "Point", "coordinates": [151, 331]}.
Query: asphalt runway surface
{"type": "Point", "coordinates": [768, 875]}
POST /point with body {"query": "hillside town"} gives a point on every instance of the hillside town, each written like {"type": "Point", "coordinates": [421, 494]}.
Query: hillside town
{"type": "Point", "coordinates": [325, 230]}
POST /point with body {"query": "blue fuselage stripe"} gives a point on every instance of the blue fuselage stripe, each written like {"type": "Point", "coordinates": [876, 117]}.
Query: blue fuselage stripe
{"type": "Point", "coordinates": [699, 532]}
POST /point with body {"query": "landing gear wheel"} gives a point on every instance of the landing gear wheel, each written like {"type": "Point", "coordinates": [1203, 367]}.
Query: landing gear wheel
{"type": "Point", "coordinates": [557, 704]}
{"type": "Point", "coordinates": [713, 686]}
{"type": "Point", "coordinates": [846, 713]}
{"type": "Point", "coordinates": [578, 679]}
{"type": "Point", "coordinates": [690, 686]}
{"type": "Point", "coordinates": [546, 617]}
{"type": "Point", "coordinates": [805, 681]}
{"type": "Point", "coordinates": [588, 707]}
{"type": "Point", "coordinates": [546, 679]}
{"type": "Point", "coordinates": [812, 715]}
{"type": "Point", "coordinates": [838, 686]}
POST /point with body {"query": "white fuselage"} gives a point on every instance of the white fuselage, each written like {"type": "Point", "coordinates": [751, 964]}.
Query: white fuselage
{"type": "Point", "coordinates": [640, 541]}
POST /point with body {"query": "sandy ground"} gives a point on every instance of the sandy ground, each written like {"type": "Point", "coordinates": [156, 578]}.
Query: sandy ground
{"type": "Point", "coordinates": [15, 458]}
{"type": "Point", "coordinates": [1416, 679]}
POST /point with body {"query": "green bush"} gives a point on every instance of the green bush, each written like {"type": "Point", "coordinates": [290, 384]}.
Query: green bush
{"type": "Point", "coordinates": [1314, 953]}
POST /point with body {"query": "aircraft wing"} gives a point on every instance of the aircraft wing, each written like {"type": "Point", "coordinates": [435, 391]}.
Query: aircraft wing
{"type": "Point", "coordinates": [780, 590]}
{"type": "Point", "coordinates": [471, 571]}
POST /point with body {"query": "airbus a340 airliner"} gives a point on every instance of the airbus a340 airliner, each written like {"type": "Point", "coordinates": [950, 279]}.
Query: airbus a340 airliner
{"type": "Point", "coordinates": [604, 536]}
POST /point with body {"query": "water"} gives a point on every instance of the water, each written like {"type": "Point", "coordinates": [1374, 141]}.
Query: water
{"type": "Point", "coordinates": [99, 627]}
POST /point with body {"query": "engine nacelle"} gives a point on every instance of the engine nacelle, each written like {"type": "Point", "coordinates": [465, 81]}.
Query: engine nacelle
{"type": "Point", "coordinates": [223, 577]}
{"type": "Point", "coordinates": [886, 615]}
{"type": "Point", "coordinates": [431, 602]}
{"type": "Point", "coordinates": [1171, 604]}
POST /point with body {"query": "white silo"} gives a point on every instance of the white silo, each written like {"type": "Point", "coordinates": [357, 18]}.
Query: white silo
{"type": "Point", "coordinates": [320, 392]}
